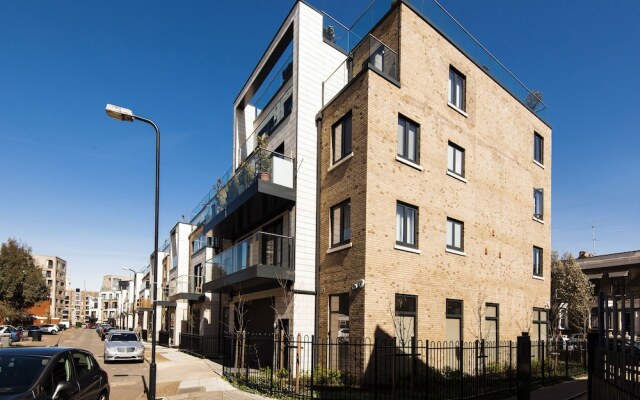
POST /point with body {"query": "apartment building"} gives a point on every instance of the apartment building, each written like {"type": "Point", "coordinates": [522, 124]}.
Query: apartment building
{"type": "Point", "coordinates": [80, 305]}
{"type": "Point", "coordinates": [54, 270]}
{"type": "Point", "coordinates": [434, 191]}
{"type": "Point", "coordinates": [384, 183]}
{"type": "Point", "coordinates": [616, 275]}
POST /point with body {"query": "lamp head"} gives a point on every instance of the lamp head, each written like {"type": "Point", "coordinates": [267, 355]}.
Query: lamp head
{"type": "Point", "coordinates": [120, 113]}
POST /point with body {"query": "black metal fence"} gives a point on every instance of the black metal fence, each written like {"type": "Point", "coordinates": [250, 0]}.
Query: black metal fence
{"type": "Point", "coordinates": [384, 369]}
{"type": "Point", "coordinates": [207, 346]}
{"type": "Point", "coordinates": [164, 338]}
{"type": "Point", "coordinates": [614, 349]}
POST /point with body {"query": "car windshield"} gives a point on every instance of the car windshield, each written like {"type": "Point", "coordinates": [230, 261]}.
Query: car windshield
{"type": "Point", "coordinates": [18, 373]}
{"type": "Point", "coordinates": [123, 337]}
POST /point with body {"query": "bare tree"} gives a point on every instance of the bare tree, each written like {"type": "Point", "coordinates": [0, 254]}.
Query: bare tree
{"type": "Point", "coordinates": [479, 328]}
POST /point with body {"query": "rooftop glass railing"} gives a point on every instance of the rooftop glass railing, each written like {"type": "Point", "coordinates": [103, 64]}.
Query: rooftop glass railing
{"type": "Point", "coordinates": [260, 249]}
{"type": "Point", "coordinates": [348, 37]}
{"type": "Point", "coordinates": [370, 53]}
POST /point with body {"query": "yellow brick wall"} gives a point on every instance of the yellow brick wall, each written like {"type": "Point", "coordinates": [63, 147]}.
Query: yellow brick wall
{"type": "Point", "coordinates": [495, 203]}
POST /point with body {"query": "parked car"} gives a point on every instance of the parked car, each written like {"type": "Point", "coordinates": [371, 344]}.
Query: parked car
{"type": "Point", "coordinates": [61, 327]}
{"type": "Point", "coordinates": [104, 332]}
{"type": "Point", "coordinates": [343, 335]}
{"type": "Point", "coordinates": [120, 345]}
{"type": "Point", "coordinates": [100, 327]}
{"type": "Point", "coordinates": [45, 373]}
{"type": "Point", "coordinates": [50, 329]}
{"type": "Point", "coordinates": [32, 328]}
{"type": "Point", "coordinates": [16, 335]}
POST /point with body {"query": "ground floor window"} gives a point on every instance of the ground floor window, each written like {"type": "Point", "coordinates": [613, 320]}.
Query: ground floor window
{"type": "Point", "coordinates": [405, 320]}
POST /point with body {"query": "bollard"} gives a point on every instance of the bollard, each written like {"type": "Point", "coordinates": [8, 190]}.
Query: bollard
{"type": "Point", "coordinates": [524, 366]}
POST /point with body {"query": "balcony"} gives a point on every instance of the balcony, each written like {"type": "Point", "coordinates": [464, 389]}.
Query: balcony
{"type": "Point", "coordinates": [261, 261]}
{"type": "Point", "coordinates": [189, 287]}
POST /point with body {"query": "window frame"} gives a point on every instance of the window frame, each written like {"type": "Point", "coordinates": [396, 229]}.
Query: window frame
{"type": "Point", "coordinates": [454, 76]}
{"type": "Point", "coordinates": [405, 123]}
{"type": "Point", "coordinates": [456, 316]}
{"type": "Point", "coordinates": [538, 203]}
{"type": "Point", "coordinates": [538, 269]}
{"type": "Point", "coordinates": [538, 147]}
{"type": "Point", "coordinates": [344, 143]}
{"type": "Point", "coordinates": [459, 149]}
{"type": "Point", "coordinates": [455, 222]}
{"type": "Point", "coordinates": [346, 204]}
{"type": "Point", "coordinates": [404, 235]}
{"type": "Point", "coordinates": [496, 318]}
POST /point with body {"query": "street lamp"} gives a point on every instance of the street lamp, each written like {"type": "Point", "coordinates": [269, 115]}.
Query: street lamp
{"type": "Point", "coordinates": [125, 114]}
{"type": "Point", "coordinates": [134, 296]}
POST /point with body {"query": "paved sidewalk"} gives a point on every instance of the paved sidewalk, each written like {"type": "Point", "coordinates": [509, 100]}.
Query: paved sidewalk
{"type": "Point", "coordinates": [182, 376]}
{"type": "Point", "coordinates": [569, 390]}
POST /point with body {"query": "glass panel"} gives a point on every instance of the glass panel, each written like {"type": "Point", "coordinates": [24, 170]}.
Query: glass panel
{"type": "Point", "coordinates": [400, 137]}
{"type": "Point", "coordinates": [335, 235]}
{"type": "Point", "coordinates": [452, 330]}
{"type": "Point", "coordinates": [491, 311]}
{"type": "Point", "coordinates": [411, 225]}
{"type": "Point", "coordinates": [451, 88]}
{"type": "Point", "coordinates": [451, 158]}
{"type": "Point", "coordinates": [347, 136]}
{"type": "Point", "coordinates": [449, 233]}
{"type": "Point", "coordinates": [459, 155]}
{"type": "Point", "coordinates": [457, 230]}
{"type": "Point", "coordinates": [399, 223]}
{"type": "Point", "coordinates": [337, 142]}
{"type": "Point", "coordinates": [411, 142]}
{"type": "Point", "coordinates": [347, 222]}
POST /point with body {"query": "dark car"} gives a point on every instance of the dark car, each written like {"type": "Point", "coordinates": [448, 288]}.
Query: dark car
{"type": "Point", "coordinates": [104, 332]}
{"type": "Point", "coordinates": [32, 328]}
{"type": "Point", "coordinates": [45, 373]}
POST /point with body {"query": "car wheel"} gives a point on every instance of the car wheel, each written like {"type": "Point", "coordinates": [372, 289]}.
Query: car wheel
{"type": "Point", "coordinates": [103, 396]}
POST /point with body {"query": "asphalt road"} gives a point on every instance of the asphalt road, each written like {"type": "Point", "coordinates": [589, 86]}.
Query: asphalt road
{"type": "Point", "coordinates": [128, 380]}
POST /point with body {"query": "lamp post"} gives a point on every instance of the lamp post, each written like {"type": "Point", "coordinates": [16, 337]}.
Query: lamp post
{"type": "Point", "coordinates": [133, 308]}
{"type": "Point", "coordinates": [125, 114]}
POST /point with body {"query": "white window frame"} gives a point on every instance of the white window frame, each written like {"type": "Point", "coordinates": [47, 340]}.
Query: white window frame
{"type": "Point", "coordinates": [537, 261]}
{"type": "Point", "coordinates": [538, 204]}
{"type": "Point", "coordinates": [457, 89]}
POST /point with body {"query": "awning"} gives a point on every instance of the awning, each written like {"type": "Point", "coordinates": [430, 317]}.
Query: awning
{"type": "Point", "coordinates": [618, 274]}
{"type": "Point", "coordinates": [594, 276]}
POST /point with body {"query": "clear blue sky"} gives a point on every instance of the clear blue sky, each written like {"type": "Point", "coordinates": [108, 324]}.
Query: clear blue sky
{"type": "Point", "coordinates": [79, 185]}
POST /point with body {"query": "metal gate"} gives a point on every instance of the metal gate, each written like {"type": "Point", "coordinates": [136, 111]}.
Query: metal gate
{"type": "Point", "coordinates": [614, 349]}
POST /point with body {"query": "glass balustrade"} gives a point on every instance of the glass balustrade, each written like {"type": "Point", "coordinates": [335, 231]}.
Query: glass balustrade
{"type": "Point", "coordinates": [260, 249]}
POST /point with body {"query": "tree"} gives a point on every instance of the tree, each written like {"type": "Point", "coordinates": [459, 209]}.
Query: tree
{"type": "Point", "coordinates": [571, 292]}
{"type": "Point", "coordinates": [21, 282]}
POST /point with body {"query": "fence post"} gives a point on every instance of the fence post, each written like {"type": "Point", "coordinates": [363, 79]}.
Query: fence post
{"type": "Point", "coordinates": [566, 362]}
{"type": "Point", "coordinates": [483, 352]}
{"type": "Point", "coordinates": [298, 350]}
{"type": "Point", "coordinates": [510, 365]}
{"type": "Point", "coordinates": [313, 361]}
{"type": "Point", "coordinates": [524, 366]}
{"type": "Point", "coordinates": [475, 372]}
{"type": "Point", "coordinates": [244, 350]}
{"type": "Point", "coordinates": [375, 367]}
{"type": "Point", "coordinates": [592, 341]}
{"type": "Point", "coordinates": [542, 354]}
{"type": "Point", "coordinates": [426, 369]}
{"type": "Point", "coordinates": [461, 368]}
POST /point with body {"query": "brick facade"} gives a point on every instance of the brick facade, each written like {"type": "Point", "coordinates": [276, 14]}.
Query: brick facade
{"type": "Point", "coordinates": [495, 201]}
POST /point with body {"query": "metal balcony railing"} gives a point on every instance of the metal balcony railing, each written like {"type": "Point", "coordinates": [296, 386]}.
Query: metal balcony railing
{"type": "Point", "coordinates": [261, 164]}
{"type": "Point", "coordinates": [260, 249]}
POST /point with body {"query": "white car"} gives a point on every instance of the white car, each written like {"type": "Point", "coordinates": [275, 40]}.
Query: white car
{"type": "Point", "coordinates": [50, 329]}
{"type": "Point", "coordinates": [121, 345]}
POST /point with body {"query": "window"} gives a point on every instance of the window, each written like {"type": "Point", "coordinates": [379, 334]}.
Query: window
{"type": "Point", "coordinates": [538, 148]}
{"type": "Point", "coordinates": [538, 203]}
{"type": "Point", "coordinates": [457, 88]}
{"type": "Point", "coordinates": [406, 223]}
{"type": "Point", "coordinates": [341, 138]}
{"type": "Point", "coordinates": [455, 234]}
{"type": "Point", "coordinates": [491, 318]}
{"type": "Point", "coordinates": [456, 159]}
{"type": "Point", "coordinates": [617, 286]}
{"type": "Point", "coordinates": [408, 140]}
{"type": "Point", "coordinates": [539, 329]}
{"type": "Point", "coordinates": [537, 261]}
{"type": "Point", "coordinates": [453, 327]}
{"type": "Point", "coordinates": [405, 319]}
{"type": "Point", "coordinates": [341, 223]}
{"type": "Point", "coordinates": [339, 317]}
